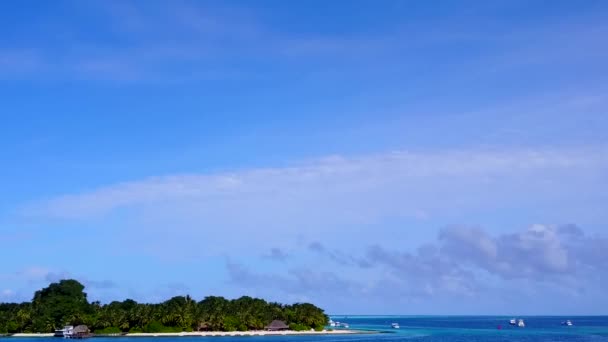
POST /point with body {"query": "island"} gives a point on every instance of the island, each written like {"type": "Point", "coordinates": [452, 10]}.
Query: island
{"type": "Point", "coordinates": [65, 303]}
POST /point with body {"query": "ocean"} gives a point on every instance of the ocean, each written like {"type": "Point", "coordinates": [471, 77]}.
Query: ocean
{"type": "Point", "coordinates": [423, 329]}
{"type": "Point", "coordinates": [478, 328]}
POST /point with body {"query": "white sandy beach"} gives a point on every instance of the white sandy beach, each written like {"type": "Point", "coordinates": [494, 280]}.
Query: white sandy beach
{"type": "Point", "coordinates": [222, 333]}
{"type": "Point", "coordinates": [247, 333]}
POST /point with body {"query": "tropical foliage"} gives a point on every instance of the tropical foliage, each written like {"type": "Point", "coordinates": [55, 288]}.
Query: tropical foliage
{"type": "Point", "coordinates": [66, 303]}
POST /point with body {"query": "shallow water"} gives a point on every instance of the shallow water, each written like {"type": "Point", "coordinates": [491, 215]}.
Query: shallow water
{"type": "Point", "coordinates": [423, 329]}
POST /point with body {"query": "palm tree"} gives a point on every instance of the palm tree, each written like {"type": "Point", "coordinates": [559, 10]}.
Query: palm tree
{"type": "Point", "coordinates": [24, 317]}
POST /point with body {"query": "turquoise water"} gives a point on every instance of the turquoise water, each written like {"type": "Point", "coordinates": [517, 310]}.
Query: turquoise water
{"type": "Point", "coordinates": [422, 329]}
{"type": "Point", "coordinates": [480, 328]}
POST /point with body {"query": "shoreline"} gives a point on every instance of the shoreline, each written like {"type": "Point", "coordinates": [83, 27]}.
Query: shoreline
{"type": "Point", "coordinates": [217, 333]}
{"type": "Point", "coordinates": [246, 333]}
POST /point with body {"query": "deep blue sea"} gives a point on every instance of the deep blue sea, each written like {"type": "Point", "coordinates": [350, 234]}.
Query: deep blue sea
{"type": "Point", "coordinates": [423, 329]}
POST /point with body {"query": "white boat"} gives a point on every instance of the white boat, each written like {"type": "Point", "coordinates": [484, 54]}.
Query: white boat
{"type": "Point", "coordinates": [521, 323]}
{"type": "Point", "coordinates": [345, 325]}
{"type": "Point", "coordinates": [567, 323]}
{"type": "Point", "coordinates": [395, 325]}
{"type": "Point", "coordinates": [513, 321]}
{"type": "Point", "coordinates": [66, 332]}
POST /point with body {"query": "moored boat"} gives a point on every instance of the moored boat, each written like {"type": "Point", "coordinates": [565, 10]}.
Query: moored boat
{"type": "Point", "coordinates": [521, 323]}
{"type": "Point", "coordinates": [66, 332]}
{"type": "Point", "coordinates": [395, 325]}
{"type": "Point", "coordinates": [567, 323]}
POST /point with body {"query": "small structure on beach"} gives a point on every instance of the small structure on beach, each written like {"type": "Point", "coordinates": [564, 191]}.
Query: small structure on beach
{"type": "Point", "coordinates": [65, 332]}
{"type": "Point", "coordinates": [81, 331]}
{"type": "Point", "coordinates": [277, 325]}
{"type": "Point", "coordinates": [202, 327]}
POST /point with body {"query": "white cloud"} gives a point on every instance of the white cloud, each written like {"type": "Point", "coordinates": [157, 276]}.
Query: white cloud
{"type": "Point", "coordinates": [541, 253]}
{"type": "Point", "coordinates": [350, 197]}
{"type": "Point", "coordinates": [522, 268]}
{"type": "Point", "coordinates": [513, 269]}
{"type": "Point", "coordinates": [357, 189]}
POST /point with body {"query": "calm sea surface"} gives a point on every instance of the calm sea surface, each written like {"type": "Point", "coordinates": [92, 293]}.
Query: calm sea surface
{"type": "Point", "coordinates": [423, 329]}
{"type": "Point", "coordinates": [479, 328]}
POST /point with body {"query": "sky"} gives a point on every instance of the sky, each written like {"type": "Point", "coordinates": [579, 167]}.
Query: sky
{"type": "Point", "coordinates": [371, 157]}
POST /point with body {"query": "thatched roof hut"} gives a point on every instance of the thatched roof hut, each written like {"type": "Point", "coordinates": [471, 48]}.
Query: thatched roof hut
{"type": "Point", "coordinates": [277, 325]}
{"type": "Point", "coordinates": [81, 331]}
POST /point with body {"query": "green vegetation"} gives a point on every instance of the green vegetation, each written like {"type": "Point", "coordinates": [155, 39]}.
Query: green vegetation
{"type": "Point", "coordinates": [66, 303]}
{"type": "Point", "coordinates": [108, 330]}
{"type": "Point", "coordinates": [298, 327]}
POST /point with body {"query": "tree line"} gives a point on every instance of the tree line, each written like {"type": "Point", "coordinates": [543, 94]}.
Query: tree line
{"type": "Point", "coordinates": [65, 303]}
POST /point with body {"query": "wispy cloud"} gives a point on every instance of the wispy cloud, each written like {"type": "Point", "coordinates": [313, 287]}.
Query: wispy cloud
{"type": "Point", "coordinates": [276, 254]}
{"type": "Point", "coordinates": [162, 42]}
{"type": "Point", "coordinates": [297, 284]}
{"type": "Point", "coordinates": [186, 41]}
{"type": "Point", "coordinates": [337, 256]}
{"type": "Point", "coordinates": [352, 198]}
{"type": "Point", "coordinates": [359, 188]}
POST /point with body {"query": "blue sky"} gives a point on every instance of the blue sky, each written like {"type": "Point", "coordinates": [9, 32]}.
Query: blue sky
{"type": "Point", "coordinates": [371, 157]}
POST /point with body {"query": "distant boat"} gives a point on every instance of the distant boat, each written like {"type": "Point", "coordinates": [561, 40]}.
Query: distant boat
{"type": "Point", "coordinates": [567, 323]}
{"type": "Point", "coordinates": [66, 332]}
{"type": "Point", "coordinates": [71, 332]}
{"type": "Point", "coordinates": [395, 325]}
{"type": "Point", "coordinates": [345, 325]}
{"type": "Point", "coordinates": [513, 321]}
{"type": "Point", "coordinates": [521, 323]}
